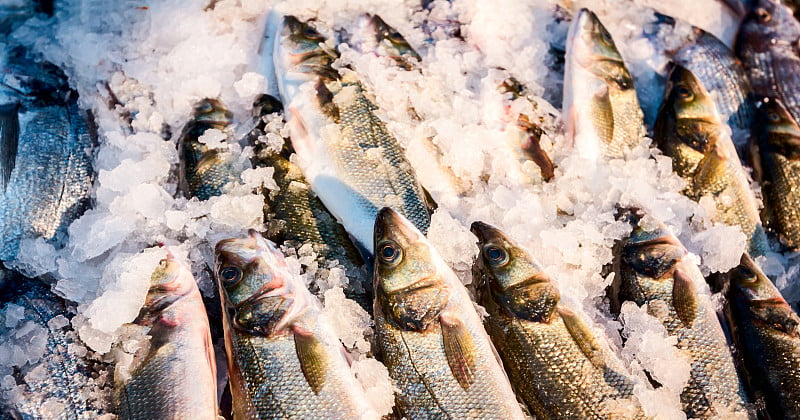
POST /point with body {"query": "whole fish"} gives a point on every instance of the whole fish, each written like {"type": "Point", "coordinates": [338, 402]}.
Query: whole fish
{"type": "Point", "coordinates": [206, 170]}
{"type": "Point", "coordinates": [175, 376]}
{"type": "Point", "coordinates": [345, 151]}
{"type": "Point", "coordinates": [46, 147]}
{"type": "Point", "coordinates": [284, 360]}
{"type": "Point", "coordinates": [296, 216]}
{"type": "Point", "coordinates": [779, 147]}
{"type": "Point", "coordinates": [599, 97]}
{"type": "Point", "coordinates": [768, 332]}
{"type": "Point", "coordinates": [724, 77]}
{"type": "Point", "coordinates": [768, 46]}
{"type": "Point", "coordinates": [433, 342]}
{"type": "Point", "coordinates": [652, 269]}
{"type": "Point", "coordinates": [58, 383]}
{"type": "Point", "coordinates": [556, 363]}
{"type": "Point", "coordinates": [689, 130]}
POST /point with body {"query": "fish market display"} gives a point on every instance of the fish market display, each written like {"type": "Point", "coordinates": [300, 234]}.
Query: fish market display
{"type": "Point", "coordinates": [429, 334]}
{"type": "Point", "coordinates": [575, 376]}
{"type": "Point", "coordinates": [690, 131]}
{"type": "Point", "coordinates": [767, 45]}
{"type": "Point", "coordinates": [599, 97]}
{"type": "Point", "coordinates": [767, 331]}
{"type": "Point", "coordinates": [346, 152]}
{"type": "Point", "coordinates": [41, 127]}
{"type": "Point", "coordinates": [175, 374]}
{"type": "Point", "coordinates": [778, 136]}
{"type": "Point", "coordinates": [283, 358]}
{"type": "Point", "coordinates": [653, 270]}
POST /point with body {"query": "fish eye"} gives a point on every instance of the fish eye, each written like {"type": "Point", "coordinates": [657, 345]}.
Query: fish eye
{"type": "Point", "coordinates": [163, 263]}
{"type": "Point", "coordinates": [495, 255]}
{"type": "Point", "coordinates": [684, 92]}
{"type": "Point", "coordinates": [310, 32]}
{"type": "Point", "coordinates": [747, 275]}
{"type": "Point", "coordinates": [230, 275]}
{"type": "Point", "coordinates": [389, 253]}
{"type": "Point", "coordinates": [763, 15]}
{"type": "Point", "coordinates": [606, 37]}
{"type": "Point", "coordinates": [773, 116]}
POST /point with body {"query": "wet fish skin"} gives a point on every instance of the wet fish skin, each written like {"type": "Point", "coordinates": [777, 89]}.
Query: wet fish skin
{"type": "Point", "coordinates": [75, 384]}
{"type": "Point", "coordinates": [779, 149]}
{"type": "Point", "coordinates": [599, 96]}
{"type": "Point", "coordinates": [537, 337]}
{"type": "Point", "coordinates": [296, 216]}
{"type": "Point", "coordinates": [42, 128]}
{"type": "Point", "coordinates": [768, 332]}
{"type": "Point", "coordinates": [722, 74]}
{"type": "Point", "coordinates": [175, 376]}
{"type": "Point", "coordinates": [351, 160]}
{"type": "Point", "coordinates": [652, 269]}
{"type": "Point", "coordinates": [689, 130]}
{"type": "Point", "coordinates": [769, 46]}
{"type": "Point", "coordinates": [429, 335]}
{"type": "Point", "coordinates": [205, 171]}
{"type": "Point", "coordinates": [284, 361]}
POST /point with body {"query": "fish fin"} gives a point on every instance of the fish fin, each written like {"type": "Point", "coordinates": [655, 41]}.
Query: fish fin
{"type": "Point", "coordinates": [602, 117]}
{"type": "Point", "coordinates": [459, 349]}
{"type": "Point", "coordinates": [684, 298]}
{"type": "Point", "coordinates": [9, 141]}
{"type": "Point", "coordinates": [711, 170]}
{"type": "Point", "coordinates": [582, 336]}
{"type": "Point", "coordinates": [430, 203]}
{"type": "Point", "coordinates": [312, 357]}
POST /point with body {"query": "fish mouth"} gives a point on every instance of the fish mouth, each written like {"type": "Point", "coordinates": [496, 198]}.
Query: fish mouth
{"type": "Point", "coordinates": [485, 232]}
{"type": "Point", "coordinates": [431, 282]}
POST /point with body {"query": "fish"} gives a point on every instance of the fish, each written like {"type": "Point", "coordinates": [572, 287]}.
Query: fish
{"type": "Point", "coordinates": [652, 268]}
{"type": "Point", "coordinates": [284, 360]}
{"type": "Point", "coordinates": [46, 153]}
{"type": "Point", "coordinates": [60, 383]}
{"type": "Point", "coordinates": [429, 335]}
{"type": "Point", "coordinates": [175, 375]}
{"type": "Point", "coordinates": [349, 157]}
{"type": "Point", "coordinates": [724, 76]}
{"type": "Point", "coordinates": [603, 116]}
{"type": "Point", "coordinates": [779, 149]}
{"type": "Point", "coordinates": [768, 47]}
{"type": "Point", "coordinates": [204, 170]}
{"type": "Point", "coordinates": [295, 215]}
{"type": "Point", "coordinates": [576, 376]}
{"type": "Point", "coordinates": [768, 333]}
{"type": "Point", "coordinates": [689, 130]}
{"type": "Point", "coordinates": [385, 41]}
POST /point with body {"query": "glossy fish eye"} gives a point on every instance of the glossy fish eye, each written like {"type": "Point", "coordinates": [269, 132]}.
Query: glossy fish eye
{"type": "Point", "coordinates": [606, 37]}
{"type": "Point", "coordinates": [230, 275]}
{"type": "Point", "coordinates": [495, 255]}
{"type": "Point", "coordinates": [310, 32]}
{"type": "Point", "coordinates": [773, 116]}
{"type": "Point", "coordinates": [763, 15]}
{"type": "Point", "coordinates": [747, 276]}
{"type": "Point", "coordinates": [684, 92]}
{"type": "Point", "coordinates": [389, 253]}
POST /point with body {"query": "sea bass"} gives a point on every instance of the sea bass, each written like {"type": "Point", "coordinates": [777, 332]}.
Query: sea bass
{"type": "Point", "coordinates": [46, 148]}
{"type": "Point", "coordinates": [284, 360]}
{"type": "Point", "coordinates": [768, 46]}
{"type": "Point", "coordinates": [206, 168]}
{"type": "Point", "coordinates": [345, 151]}
{"type": "Point", "coordinates": [768, 332]}
{"type": "Point", "coordinates": [600, 100]}
{"type": "Point", "coordinates": [430, 337]}
{"type": "Point", "coordinates": [689, 130]}
{"type": "Point", "coordinates": [52, 379]}
{"type": "Point", "coordinates": [556, 363]}
{"type": "Point", "coordinates": [295, 215]}
{"type": "Point", "coordinates": [724, 77]}
{"type": "Point", "coordinates": [175, 375]}
{"type": "Point", "coordinates": [652, 269]}
{"type": "Point", "coordinates": [779, 149]}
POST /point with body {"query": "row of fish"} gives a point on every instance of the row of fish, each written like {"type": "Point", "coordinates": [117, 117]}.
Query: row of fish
{"type": "Point", "coordinates": [284, 360]}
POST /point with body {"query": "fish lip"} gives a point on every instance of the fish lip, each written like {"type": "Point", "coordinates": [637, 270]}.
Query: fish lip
{"type": "Point", "coordinates": [484, 231]}
{"type": "Point", "coordinates": [427, 282]}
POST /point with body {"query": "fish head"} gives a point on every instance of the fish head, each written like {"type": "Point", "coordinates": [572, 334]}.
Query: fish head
{"type": "Point", "coordinates": [749, 282]}
{"type": "Point", "coordinates": [511, 277]}
{"type": "Point", "coordinates": [408, 285]}
{"type": "Point", "coordinates": [390, 43]}
{"type": "Point", "coordinates": [779, 132]}
{"type": "Point", "coordinates": [767, 25]}
{"type": "Point", "coordinates": [688, 123]}
{"type": "Point", "coordinates": [592, 47]}
{"type": "Point", "coordinates": [171, 280]}
{"type": "Point", "coordinates": [304, 49]}
{"type": "Point", "coordinates": [258, 290]}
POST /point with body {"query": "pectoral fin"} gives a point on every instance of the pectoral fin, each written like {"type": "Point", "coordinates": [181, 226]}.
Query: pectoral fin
{"type": "Point", "coordinates": [313, 359]}
{"type": "Point", "coordinates": [582, 336]}
{"type": "Point", "coordinates": [459, 349]}
{"type": "Point", "coordinates": [684, 298]}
